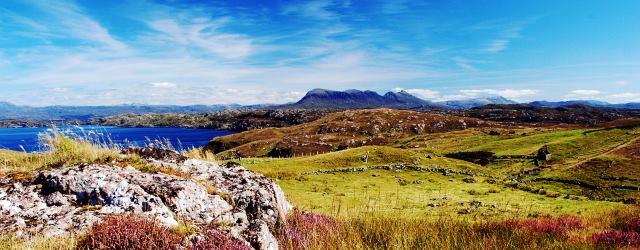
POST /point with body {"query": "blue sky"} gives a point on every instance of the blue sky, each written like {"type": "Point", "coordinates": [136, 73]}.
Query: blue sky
{"type": "Point", "coordinates": [205, 52]}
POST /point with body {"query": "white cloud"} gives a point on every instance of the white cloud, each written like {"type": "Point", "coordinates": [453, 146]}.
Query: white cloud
{"type": "Point", "coordinates": [498, 45]}
{"type": "Point", "coordinates": [585, 92]}
{"type": "Point", "coordinates": [164, 85]}
{"type": "Point", "coordinates": [582, 94]}
{"type": "Point", "coordinates": [516, 94]}
{"type": "Point", "coordinates": [625, 97]}
{"type": "Point", "coordinates": [507, 93]}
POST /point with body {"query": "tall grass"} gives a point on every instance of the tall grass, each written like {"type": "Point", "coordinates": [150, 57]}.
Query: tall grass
{"type": "Point", "coordinates": [68, 148]}
{"type": "Point", "coordinates": [309, 231]}
{"type": "Point", "coordinates": [60, 150]}
{"type": "Point", "coordinates": [37, 242]}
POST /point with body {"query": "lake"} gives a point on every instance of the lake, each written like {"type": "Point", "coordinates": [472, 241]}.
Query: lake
{"type": "Point", "coordinates": [180, 138]}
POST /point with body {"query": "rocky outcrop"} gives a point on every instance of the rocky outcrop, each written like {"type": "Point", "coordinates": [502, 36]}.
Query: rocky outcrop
{"type": "Point", "coordinates": [68, 200]}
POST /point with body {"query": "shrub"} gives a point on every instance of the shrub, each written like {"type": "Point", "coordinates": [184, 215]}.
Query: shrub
{"type": "Point", "coordinates": [632, 225]}
{"type": "Point", "coordinates": [626, 233]}
{"type": "Point", "coordinates": [616, 238]}
{"type": "Point", "coordinates": [214, 238]}
{"type": "Point", "coordinates": [129, 232]}
{"type": "Point", "coordinates": [556, 226]}
{"type": "Point", "coordinates": [306, 230]}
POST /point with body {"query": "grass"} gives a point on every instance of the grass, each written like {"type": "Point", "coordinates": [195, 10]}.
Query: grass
{"type": "Point", "coordinates": [61, 151]}
{"type": "Point", "coordinates": [425, 195]}
{"type": "Point", "coordinates": [527, 145]}
{"type": "Point", "coordinates": [408, 192]}
{"type": "Point", "coordinates": [10, 242]}
{"type": "Point", "coordinates": [397, 208]}
{"type": "Point", "coordinates": [377, 155]}
{"type": "Point", "coordinates": [369, 231]}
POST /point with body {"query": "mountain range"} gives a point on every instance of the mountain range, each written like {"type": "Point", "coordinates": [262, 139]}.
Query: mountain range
{"type": "Point", "coordinates": [351, 99]}
{"type": "Point", "coordinates": [314, 99]}
{"type": "Point", "coordinates": [11, 111]}
{"type": "Point", "coordinates": [592, 103]}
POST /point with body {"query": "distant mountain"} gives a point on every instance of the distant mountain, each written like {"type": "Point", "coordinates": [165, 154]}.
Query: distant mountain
{"type": "Point", "coordinates": [476, 102]}
{"type": "Point", "coordinates": [11, 111]}
{"type": "Point", "coordinates": [631, 105]}
{"type": "Point", "coordinates": [567, 103]}
{"type": "Point", "coordinates": [592, 103]}
{"type": "Point", "coordinates": [351, 99]}
{"type": "Point", "coordinates": [404, 97]}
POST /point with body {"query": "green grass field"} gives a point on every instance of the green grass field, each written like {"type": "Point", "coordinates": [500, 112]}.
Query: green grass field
{"type": "Point", "coordinates": [432, 194]}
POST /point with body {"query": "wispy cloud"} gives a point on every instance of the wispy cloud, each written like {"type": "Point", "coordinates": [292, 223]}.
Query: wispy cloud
{"type": "Point", "coordinates": [464, 63]}
{"type": "Point", "coordinates": [497, 45]}
{"type": "Point", "coordinates": [516, 94]}
{"type": "Point", "coordinates": [315, 9]}
{"type": "Point", "coordinates": [204, 34]}
{"type": "Point", "coordinates": [71, 21]}
{"type": "Point", "coordinates": [165, 85]}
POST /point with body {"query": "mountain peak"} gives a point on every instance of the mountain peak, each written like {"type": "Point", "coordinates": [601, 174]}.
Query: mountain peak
{"type": "Point", "coordinates": [353, 98]}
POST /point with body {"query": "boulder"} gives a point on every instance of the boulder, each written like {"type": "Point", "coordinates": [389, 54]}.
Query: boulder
{"type": "Point", "coordinates": [543, 154]}
{"type": "Point", "coordinates": [67, 200]}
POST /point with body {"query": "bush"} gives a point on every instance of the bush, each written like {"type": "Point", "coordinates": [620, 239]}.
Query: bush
{"type": "Point", "coordinates": [616, 238]}
{"type": "Point", "coordinates": [626, 233]}
{"type": "Point", "coordinates": [129, 232]}
{"type": "Point", "coordinates": [214, 238]}
{"type": "Point", "coordinates": [306, 230]}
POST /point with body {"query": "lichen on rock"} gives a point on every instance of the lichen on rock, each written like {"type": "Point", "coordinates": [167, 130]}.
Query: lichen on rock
{"type": "Point", "coordinates": [66, 201]}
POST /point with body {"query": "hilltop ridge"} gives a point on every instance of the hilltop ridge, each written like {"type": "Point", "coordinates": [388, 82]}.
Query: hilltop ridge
{"type": "Point", "coordinates": [353, 98]}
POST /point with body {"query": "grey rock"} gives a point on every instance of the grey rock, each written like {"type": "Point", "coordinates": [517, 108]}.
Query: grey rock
{"type": "Point", "coordinates": [470, 180]}
{"type": "Point", "coordinates": [68, 200]}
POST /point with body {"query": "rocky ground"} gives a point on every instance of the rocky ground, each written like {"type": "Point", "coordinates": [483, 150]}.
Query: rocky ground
{"type": "Point", "coordinates": [68, 200]}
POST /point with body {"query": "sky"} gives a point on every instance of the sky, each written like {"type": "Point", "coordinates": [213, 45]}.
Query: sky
{"type": "Point", "coordinates": [63, 52]}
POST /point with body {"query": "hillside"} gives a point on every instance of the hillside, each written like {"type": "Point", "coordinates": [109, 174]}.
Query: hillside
{"type": "Point", "coordinates": [340, 130]}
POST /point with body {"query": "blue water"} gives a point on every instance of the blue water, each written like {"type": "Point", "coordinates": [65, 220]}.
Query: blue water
{"type": "Point", "coordinates": [180, 138]}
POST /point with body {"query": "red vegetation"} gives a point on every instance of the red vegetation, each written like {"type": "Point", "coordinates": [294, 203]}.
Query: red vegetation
{"type": "Point", "coordinates": [304, 230]}
{"type": "Point", "coordinates": [627, 234]}
{"type": "Point", "coordinates": [129, 232]}
{"type": "Point", "coordinates": [616, 238]}
{"type": "Point", "coordinates": [133, 232]}
{"type": "Point", "coordinates": [214, 238]}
